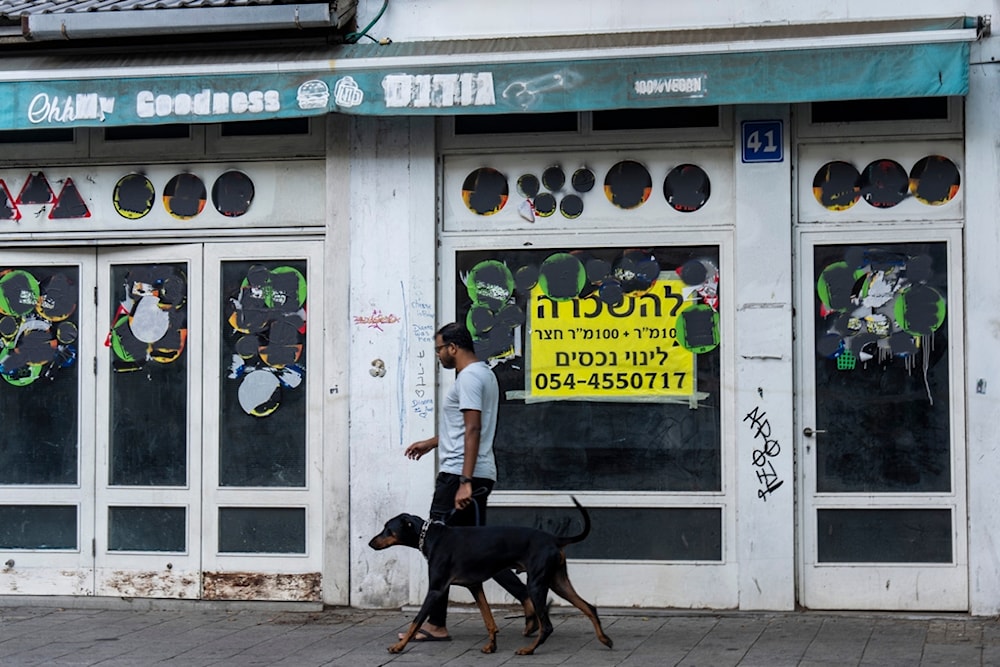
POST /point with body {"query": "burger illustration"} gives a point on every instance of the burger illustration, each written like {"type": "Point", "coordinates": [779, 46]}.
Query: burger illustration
{"type": "Point", "coordinates": [313, 94]}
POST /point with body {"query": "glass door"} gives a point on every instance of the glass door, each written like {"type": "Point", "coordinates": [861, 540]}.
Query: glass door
{"type": "Point", "coordinates": [263, 537]}
{"type": "Point", "coordinates": [148, 499]}
{"type": "Point", "coordinates": [882, 461]}
{"type": "Point", "coordinates": [46, 442]}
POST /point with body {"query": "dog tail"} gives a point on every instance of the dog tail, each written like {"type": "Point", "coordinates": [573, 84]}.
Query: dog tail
{"type": "Point", "coordinates": [563, 541]}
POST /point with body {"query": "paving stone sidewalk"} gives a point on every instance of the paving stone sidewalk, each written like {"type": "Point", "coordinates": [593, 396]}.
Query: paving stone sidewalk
{"type": "Point", "coordinates": [137, 633]}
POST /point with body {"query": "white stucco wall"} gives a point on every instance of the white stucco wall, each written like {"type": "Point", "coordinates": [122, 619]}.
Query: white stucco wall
{"type": "Point", "coordinates": [982, 298]}
{"type": "Point", "coordinates": [392, 295]}
{"type": "Point", "coordinates": [764, 394]}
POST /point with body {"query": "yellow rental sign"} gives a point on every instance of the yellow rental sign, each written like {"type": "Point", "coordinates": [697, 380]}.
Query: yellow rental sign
{"type": "Point", "coordinates": [584, 349]}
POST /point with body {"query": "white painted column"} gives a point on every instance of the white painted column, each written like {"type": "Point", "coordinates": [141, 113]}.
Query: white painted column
{"type": "Point", "coordinates": [982, 301]}
{"type": "Point", "coordinates": [392, 366]}
{"type": "Point", "coordinates": [765, 523]}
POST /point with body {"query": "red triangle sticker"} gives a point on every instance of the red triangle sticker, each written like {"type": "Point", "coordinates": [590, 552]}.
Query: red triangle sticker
{"type": "Point", "coordinates": [36, 190]}
{"type": "Point", "coordinates": [69, 204]}
{"type": "Point", "coordinates": [8, 209]}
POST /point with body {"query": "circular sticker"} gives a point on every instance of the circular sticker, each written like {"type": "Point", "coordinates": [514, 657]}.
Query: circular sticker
{"type": "Point", "coordinates": [545, 205]}
{"type": "Point", "coordinates": [836, 186]}
{"type": "Point", "coordinates": [133, 196]}
{"type": "Point", "coordinates": [884, 183]}
{"type": "Point", "coordinates": [562, 276]}
{"type": "Point", "coordinates": [935, 180]}
{"type": "Point", "coordinates": [232, 194]}
{"type": "Point", "coordinates": [554, 178]}
{"type": "Point", "coordinates": [184, 196]}
{"type": "Point", "coordinates": [583, 180]}
{"type": "Point", "coordinates": [485, 191]}
{"type": "Point", "coordinates": [628, 184]}
{"type": "Point", "coordinates": [571, 206]}
{"type": "Point", "coordinates": [686, 188]}
{"type": "Point", "coordinates": [528, 185]}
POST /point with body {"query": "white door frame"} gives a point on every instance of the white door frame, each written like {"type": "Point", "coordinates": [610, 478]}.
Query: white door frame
{"type": "Point", "coordinates": [60, 572]}
{"type": "Point", "coordinates": [634, 583]}
{"type": "Point", "coordinates": [144, 573]}
{"type": "Point", "coordinates": [881, 586]}
{"type": "Point", "coordinates": [284, 576]}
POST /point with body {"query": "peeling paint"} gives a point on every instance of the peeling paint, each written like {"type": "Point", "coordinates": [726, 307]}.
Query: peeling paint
{"type": "Point", "coordinates": [303, 587]}
{"type": "Point", "coordinates": [151, 584]}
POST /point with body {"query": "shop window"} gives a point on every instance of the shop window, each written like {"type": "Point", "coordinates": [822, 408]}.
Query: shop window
{"type": "Point", "coordinates": [149, 379]}
{"type": "Point", "coordinates": [38, 527]}
{"type": "Point", "coordinates": [278, 530]}
{"type": "Point", "coordinates": [670, 534]}
{"type": "Point", "coordinates": [262, 128]}
{"type": "Point", "coordinates": [608, 364]}
{"type": "Point", "coordinates": [40, 136]}
{"type": "Point", "coordinates": [517, 123]}
{"type": "Point", "coordinates": [39, 326]}
{"type": "Point", "coordinates": [653, 119]}
{"type": "Point", "coordinates": [882, 369]}
{"type": "Point", "coordinates": [262, 396]}
{"type": "Point", "coordinates": [147, 529]}
{"type": "Point", "coordinates": [884, 535]}
{"type": "Point", "coordinates": [139, 132]}
{"type": "Point", "coordinates": [855, 111]}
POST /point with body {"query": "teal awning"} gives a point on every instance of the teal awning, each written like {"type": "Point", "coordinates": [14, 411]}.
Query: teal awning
{"type": "Point", "coordinates": [713, 66]}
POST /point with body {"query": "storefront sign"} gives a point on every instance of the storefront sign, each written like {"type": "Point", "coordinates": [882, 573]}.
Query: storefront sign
{"type": "Point", "coordinates": [584, 349]}
{"type": "Point", "coordinates": [363, 82]}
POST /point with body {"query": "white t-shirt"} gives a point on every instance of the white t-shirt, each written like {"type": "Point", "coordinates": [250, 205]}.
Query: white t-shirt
{"type": "Point", "coordinates": [475, 388]}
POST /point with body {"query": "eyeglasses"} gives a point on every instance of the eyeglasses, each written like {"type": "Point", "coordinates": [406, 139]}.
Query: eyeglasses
{"type": "Point", "coordinates": [438, 348]}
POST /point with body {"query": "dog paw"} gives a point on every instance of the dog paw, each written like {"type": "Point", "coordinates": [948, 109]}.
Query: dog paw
{"type": "Point", "coordinates": [397, 648]}
{"type": "Point", "coordinates": [490, 648]}
{"type": "Point", "coordinates": [527, 650]}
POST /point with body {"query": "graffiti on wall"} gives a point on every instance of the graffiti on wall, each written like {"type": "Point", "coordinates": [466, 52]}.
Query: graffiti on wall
{"type": "Point", "coordinates": [267, 320]}
{"type": "Point", "coordinates": [767, 449]}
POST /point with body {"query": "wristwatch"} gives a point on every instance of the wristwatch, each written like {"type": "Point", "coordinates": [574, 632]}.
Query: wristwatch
{"type": "Point", "coordinates": [462, 479]}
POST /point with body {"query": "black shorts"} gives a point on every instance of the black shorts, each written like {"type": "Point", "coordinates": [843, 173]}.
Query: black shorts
{"type": "Point", "coordinates": [443, 504]}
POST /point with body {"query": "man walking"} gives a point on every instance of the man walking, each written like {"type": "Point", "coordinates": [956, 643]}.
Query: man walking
{"type": "Point", "coordinates": [467, 467]}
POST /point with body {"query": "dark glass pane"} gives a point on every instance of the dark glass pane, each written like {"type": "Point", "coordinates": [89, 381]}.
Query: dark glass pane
{"type": "Point", "coordinates": [261, 128]}
{"type": "Point", "coordinates": [884, 536]}
{"type": "Point", "coordinates": [852, 111]}
{"type": "Point", "coordinates": [676, 533]}
{"type": "Point", "coordinates": [133, 132]}
{"type": "Point", "coordinates": [263, 397]}
{"type": "Point", "coordinates": [38, 527]}
{"type": "Point", "coordinates": [42, 135]}
{"type": "Point", "coordinates": [629, 400]}
{"type": "Point", "coordinates": [149, 379]}
{"type": "Point", "coordinates": [39, 320]}
{"type": "Point", "coordinates": [526, 123]}
{"type": "Point", "coordinates": [882, 368]}
{"type": "Point", "coordinates": [279, 530]}
{"type": "Point", "coordinates": [147, 529]}
{"type": "Point", "coordinates": [651, 119]}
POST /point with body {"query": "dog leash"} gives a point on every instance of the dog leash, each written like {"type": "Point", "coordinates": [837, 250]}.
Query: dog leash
{"type": "Point", "coordinates": [481, 491]}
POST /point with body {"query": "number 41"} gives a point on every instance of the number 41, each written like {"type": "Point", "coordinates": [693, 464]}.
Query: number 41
{"type": "Point", "coordinates": [757, 146]}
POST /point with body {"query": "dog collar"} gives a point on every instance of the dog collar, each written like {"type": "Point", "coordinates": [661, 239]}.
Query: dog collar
{"type": "Point", "coordinates": [423, 534]}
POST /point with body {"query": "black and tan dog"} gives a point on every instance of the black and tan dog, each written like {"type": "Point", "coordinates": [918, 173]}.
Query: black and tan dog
{"type": "Point", "coordinates": [468, 556]}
